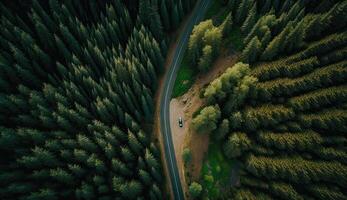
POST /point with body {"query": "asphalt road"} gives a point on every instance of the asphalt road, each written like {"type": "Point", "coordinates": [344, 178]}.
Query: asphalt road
{"type": "Point", "coordinates": [169, 82]}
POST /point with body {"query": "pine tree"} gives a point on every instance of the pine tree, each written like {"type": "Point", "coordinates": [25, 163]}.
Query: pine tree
{"type": "Point", "coordinates": [165, 15]}
{"type": "Point", "coordinates": [62, 176]}
{"type": "Point", "coordinates": [242, 11]}
{"type": "Point", "coordinates": [134, 144]}
{"type": "Point", "coordinates": [174, 17]}
{"type": "Point", "coordinates": [250, 20]}
{"type": "Point", "coordinates": [180, 10]}
{"type": "Point", "coordinates": [155, 23]}
{"type": "Point", "coordinates": [150, 160]}
{"type": "Point", "coordinates": [251, 51]}
{"type": "Point", "coordinates": [127, 154]}
{"type": "Point", "coordinates": [75, 67]}
{"type": "Point", "coordinates": [266, 38]}
{"type": "Point", "coordinates": [295, 39]}
{"type": "Point", "coordinates": [266, 7]}
{"type": "Point", "coordinates": [227, 25]}
{"type": "Point", "coordinates": [144, 8]}
{"type": "Point", "coordinates": [145, 177]}
{"type": "Point", "coordinates": [276, 45]}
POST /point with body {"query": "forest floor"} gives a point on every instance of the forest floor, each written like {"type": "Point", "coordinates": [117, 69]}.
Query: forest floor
{"type": "Point", "coordinates": [185, 106]}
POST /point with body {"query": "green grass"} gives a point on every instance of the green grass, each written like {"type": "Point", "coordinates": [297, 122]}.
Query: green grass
{"type": "Point", "coordinates": [185, 78]}
{"type": "Point", "coordinates": [216, 171]}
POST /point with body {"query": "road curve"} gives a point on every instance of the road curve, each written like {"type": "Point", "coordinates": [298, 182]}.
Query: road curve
{"type": "Point", "coordinates": [169, 82]}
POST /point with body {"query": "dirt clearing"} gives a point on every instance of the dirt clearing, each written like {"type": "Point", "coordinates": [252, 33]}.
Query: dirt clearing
{"type": "Point", "coordinates": [185, 106]}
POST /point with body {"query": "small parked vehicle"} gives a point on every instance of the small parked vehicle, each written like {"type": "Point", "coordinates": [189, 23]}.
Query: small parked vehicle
{"type": "Point", "coordinates": [180, 122]}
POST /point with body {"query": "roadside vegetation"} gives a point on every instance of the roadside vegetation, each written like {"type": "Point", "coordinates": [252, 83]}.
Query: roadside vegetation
{"type": "Point", "coordinates": [77, 80]}
{"type": "Point", "coordinates": [216, 171]}
{"type": "Point", "coordinates": [185, 78]}
{"type": "Point", "coordinates": [283, 106]}
{"type": "Point", "coordinates": [187, 73]}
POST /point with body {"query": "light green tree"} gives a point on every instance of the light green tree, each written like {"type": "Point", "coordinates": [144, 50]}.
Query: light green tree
{"type": "Point", "coordinates": [195, 190]}
{"type": "Point", "coordinates": [207, 120]}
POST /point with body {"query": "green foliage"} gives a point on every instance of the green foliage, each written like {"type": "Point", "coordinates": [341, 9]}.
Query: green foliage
{"type": "Point", "coordinates": [236, 144]}
{"type": "Point", "coordinates": [291, 167]}
{"type": "Point", "coordinates": [76, 82]}
{"type": "Point", "coordinates": [187, 156]}
{"type": "Point", "coordinates": [284, 117]}
{"type": "Point", "coordinates": [251, 51]}
{"type": "Point", "coordinates": [185, 78]}
{"type": "Point", "coordinates": [241, 14]}
{"type": "Point", "coordinates": [234, 39]}
{"type": "Point", "coordinates": [231, 80]}
{"type": "Point", "coordinates": [250, 20]}
{"type": "Point", "coordinates": [195, 190]}
{"type": "Point", "coordinates": [276, 45]}
{"type": "Point", "coordinates": [227, 24]}
{"type": "Point", "coordinates": [196, 39]}
{"type": "Point", "coordinates": [222, 129]}
{"type": "Point", "coordinates": [285, 190]}
{"type": "Point", "coordinates": [204, 44]}
{"type": "Point", "coordinates": [206, 121]}
{"type": "Point", "coordinates": [302, 141]}
{"type": "Point", "coordinates": [206, 59]}
{"type": "Point", "coordinates": [215, 172]}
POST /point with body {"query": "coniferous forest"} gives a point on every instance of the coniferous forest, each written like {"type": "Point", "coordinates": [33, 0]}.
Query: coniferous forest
{"type": "Point", "coordinates": [281, 111]}
{"type": "Point", "coordinates": [77, 79]}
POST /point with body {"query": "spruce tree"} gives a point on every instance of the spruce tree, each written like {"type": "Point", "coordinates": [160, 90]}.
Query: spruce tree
{"type": "Point", "coordinates": [276, 45]}
{"type": "Point", "coordinates": [227, 25]}
{"type": "Point", "coordinates": [250, 20]}
{"type": "Point", "coordinates": [165, 15]}
{"type": "Point", "coordinates": [175, 18]}
{"type": "Point", "coordinates": [251, 51]}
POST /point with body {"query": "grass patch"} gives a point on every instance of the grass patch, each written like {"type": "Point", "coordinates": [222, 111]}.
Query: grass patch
{"type": "Point", "coordinates": [235, 39]}
{"type": "Point", "coordinates": [216, 171]}
{"type": "Point", "coordinates": [185, 78]}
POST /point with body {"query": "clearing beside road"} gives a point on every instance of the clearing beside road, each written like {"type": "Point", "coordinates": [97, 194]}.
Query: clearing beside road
{"type": "Point", "coordinates": [185, 106]}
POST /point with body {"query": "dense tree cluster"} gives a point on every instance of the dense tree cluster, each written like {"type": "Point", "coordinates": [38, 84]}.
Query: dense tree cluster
{"type": "Point", "coordinates": [285, 28]}
{"type": "Point", "coordinates": [206, 120]}
{"type": "Point", "coordinates": [283, 110]}
{"type": "Point", "coordinates": [195, 190]}
{"type": "Point", "coordinates": [77, 80]}
{"type": "Point", "coordinates": [204, 44]}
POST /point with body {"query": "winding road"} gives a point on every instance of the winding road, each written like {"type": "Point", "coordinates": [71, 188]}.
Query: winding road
{"type": "Point", "coordinates": [169, 82]}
